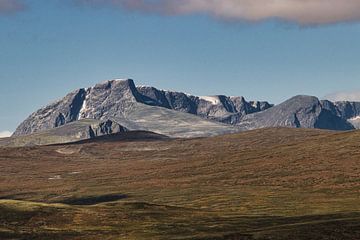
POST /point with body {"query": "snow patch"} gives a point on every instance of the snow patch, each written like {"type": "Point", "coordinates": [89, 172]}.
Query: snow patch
{"type": "Point", "coordinates": [213, 99]}
{"type": "Point", "coordinates": [84, 108]}
{"type": "Point", "coordinates": [143, 86]}
{"type": "Point", "coordinates": [56, 177]}
{"type": "Point", "coordinates": [121, 79]}
{"type": "Point", "coordinates": [254, 104]}
{"type": "Point", "coordinates": [357, 118]}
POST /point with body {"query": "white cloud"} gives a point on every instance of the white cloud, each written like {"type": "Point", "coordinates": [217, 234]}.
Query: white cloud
{"type": "Point", "coordinates": [5, 134]}
{"type": "Point", "coordinates": [353, 96]}
{"type": "Point", "coordinates": [11, 6]}
{"type": "Point", "coordinates": [304, 12]}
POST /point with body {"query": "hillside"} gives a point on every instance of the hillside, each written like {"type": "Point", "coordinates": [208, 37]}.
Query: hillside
{"type": "Point", "coordinates": [275, 183]}
{"type": "Point", "coordinates": [75, 131]}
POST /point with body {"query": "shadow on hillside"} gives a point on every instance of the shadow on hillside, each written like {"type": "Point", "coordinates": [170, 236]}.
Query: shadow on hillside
{"type": "Point", "coordinates": [92, 200]}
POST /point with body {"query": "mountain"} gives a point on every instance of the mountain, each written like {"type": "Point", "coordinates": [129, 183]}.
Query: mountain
{"type": "Point", "coordinates": [142, 108]}
{"type": "Point", "coordinates": [300, 112]}
{"type": "Point", "coordinates": [177, 114]}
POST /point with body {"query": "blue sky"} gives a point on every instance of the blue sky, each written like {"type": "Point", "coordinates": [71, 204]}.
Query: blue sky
{"type": "Point", "coordinates": [50, 47]}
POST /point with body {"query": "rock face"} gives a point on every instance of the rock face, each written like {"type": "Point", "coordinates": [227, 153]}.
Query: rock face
{"type": "Point", "coordinates": [345, 110]}
{"type": "Point", "coordinates": [142, 108]}
{"type": "Point", "coordinates": [100, 102]}
{"type": "Point", "coordinates": [53, 115]}
{"type": "Point", "coordinates": [218, 108]}
{"type": "Point", "coordinates": [298, 112]}
{"type": "Point", "coordinates": [105, 128]}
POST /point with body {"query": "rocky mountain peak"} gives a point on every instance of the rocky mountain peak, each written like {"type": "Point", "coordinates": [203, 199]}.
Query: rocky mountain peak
{"type": "Point", "coordinates": [300, 112]}
{"type": "Point", "coordinates": [118, 98]}
{"type": "Point", "coordinates": [152, 109]}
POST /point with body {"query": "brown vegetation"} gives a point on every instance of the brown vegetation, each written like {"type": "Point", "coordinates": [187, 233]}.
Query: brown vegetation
{"type": "Point", "coordinates": [262, 184]}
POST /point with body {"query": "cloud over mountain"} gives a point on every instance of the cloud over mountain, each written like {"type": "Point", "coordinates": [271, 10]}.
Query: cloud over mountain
{"type": "Point", "coordinates": [5, 134]}
{"type": "Point", "coordinates": [11, 6]}
{"type": "Point", "coordinates": [303, 12]}
{"type": "Point", "coordinates": [344, 96]}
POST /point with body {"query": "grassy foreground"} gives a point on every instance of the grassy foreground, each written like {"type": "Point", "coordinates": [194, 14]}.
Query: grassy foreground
{"type": "Point", "coordinates": [263, 184]}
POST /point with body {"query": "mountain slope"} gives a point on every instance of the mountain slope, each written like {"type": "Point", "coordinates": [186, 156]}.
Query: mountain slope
{"type": "Point", "coordinates": [53, 115]}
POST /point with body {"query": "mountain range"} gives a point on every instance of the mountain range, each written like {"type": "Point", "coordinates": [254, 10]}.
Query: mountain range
{"type": "Point", "coordinates": [119, 105]}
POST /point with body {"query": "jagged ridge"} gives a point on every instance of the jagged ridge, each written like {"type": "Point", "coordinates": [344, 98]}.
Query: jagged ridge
{"type": "Point", "coordinates": [116, 98]}
{"type": "Point", "coordinates": [151, 109]}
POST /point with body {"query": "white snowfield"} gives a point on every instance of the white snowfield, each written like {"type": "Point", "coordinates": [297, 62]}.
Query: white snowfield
{"type": "Point", "coordinates": [213, 99]}
{"type": "Point", "coordinates": [254, 104]}
{"type": "Point", "coordinates": [83, 110]}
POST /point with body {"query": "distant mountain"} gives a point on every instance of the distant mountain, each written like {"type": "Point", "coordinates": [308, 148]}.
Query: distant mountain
{"type": "Point", "coordinates": [143, 108]}
{"type": "Point", "coordinates": [177, 114]}
{"type": "Point", "coordinates": [301, 112]}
